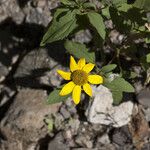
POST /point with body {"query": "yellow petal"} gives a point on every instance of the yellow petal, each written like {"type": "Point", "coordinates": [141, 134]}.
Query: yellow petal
{"type": "Point", "coordinates": [81, 63]}
{"type": "Point", "coordinates": [95, 79]}
{"type": "Point", "coordinates": [88, 67]}
{"type": "Point", "coordinates": [76, 94]}
{"type": "Point", "coordinates": [64, 75]}
{"type": "Point", "coordinates": [87, 88]}
{"type": "Point", "coordinates": [73, 64]}
{"type": "Point", "coordinates": [67, 89]}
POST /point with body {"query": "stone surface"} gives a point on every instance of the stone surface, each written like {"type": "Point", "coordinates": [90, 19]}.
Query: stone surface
{"type": "Point", "coordinates": [144, 97]}
{"type": "Point", "coordinates": [83, 36]}
{"type": "Point", "coordinates": [10, 8]}
{"type": "Point", "coordinates": [6, 93]}
{"type": "Point", "coordinates": [24, 119]}
{"type": "Point", "coordinates": [103, 112]}
{"type": "Point", "coordinates": [64, 112]}
{"type": "Point", "coordinates": [84, 141]}
{"type": "Point", "coordinates": [139, 128]}
{"type": "Point", "coordinates": [104, 139]}
{"type": "Point", "coordinates": [147, 113]}
{"type": "Point", "coordinates": [58, 143]}
{"type": "Point", "coordinates": [116, 37]}
{"type": "Point", "coordinates": [121, 136]}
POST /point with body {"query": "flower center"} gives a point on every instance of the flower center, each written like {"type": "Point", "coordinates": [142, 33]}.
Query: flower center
{"type": "Point", "coordinates": [79, 77]}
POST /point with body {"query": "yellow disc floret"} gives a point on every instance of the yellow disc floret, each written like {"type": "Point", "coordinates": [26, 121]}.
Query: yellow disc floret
{"type": "Point", "coordinates": [79, 77]}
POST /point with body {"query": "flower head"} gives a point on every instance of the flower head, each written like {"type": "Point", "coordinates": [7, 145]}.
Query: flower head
{"type": "Point", "coordinates": [79, 79]}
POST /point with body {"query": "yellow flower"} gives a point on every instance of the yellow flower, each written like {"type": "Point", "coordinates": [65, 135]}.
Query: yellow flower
{"type": "Point", "coordinates": [80, 78]}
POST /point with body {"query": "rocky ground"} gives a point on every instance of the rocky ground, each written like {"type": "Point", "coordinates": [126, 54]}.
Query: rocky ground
{"type": "Point", "coordinates": [28, 75]}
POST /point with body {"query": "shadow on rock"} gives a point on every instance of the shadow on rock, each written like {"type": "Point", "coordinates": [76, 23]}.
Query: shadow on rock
{"type": "Point", "coordinates": [57, 51]}
{"type": "Point", "coordinates": [18, 39]}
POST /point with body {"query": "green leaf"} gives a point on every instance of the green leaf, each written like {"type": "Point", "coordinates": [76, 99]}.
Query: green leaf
{"type": "Point", "coordinates": [89, 5]}
{"type": "Point", "coordinates": [142, 4]}
{"type": "Point", "coordinates": [133, 75]}
{"type": "Point", "coordinates": [125, 7]}
{"type": "Point", "coordinates": [147, 40]}
{"type": "Point", "coordinates": [117, 87]}
{"type": "Point", "coordinates": [108, 68]}
{"type": "Point", "coordinates": [148, 58]}
{"type": "Point", "coordinates": [80, 51]}
{"type": "Point", "coordinates": [119, 2]}
{"type": "Point", "coordinates": [60, 28]}
{"type": "Point", "coordinates": [105, 12]}
{"type": "Point", "coordinates": [120, 84]}
{"type": "Point", "coordinates": [54, 97]}
{"type": "Point", "coordinates": [50, 124]}
{"type": "Point", "coordinates": [97, 21]}
{"type": "Point", "coordinates": [117, 97]}
{"type": "Point", "coordinates": [68, 2]}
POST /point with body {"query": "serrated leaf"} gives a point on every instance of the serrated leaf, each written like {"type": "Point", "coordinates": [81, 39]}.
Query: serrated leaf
{"type": "Point", "coordinates": [80, 51]}
{"type": "Point", "coordinates": [97, 21]}
{"type": "Point", "coordinates": [120, 84]}
{"type": "Point", "coordinates": [60, 28]}
{"type": "Point", "coordinates": [148, 58]}
{"type": "Point", "coordinates": [117, 97]}
{"type": "Point", "coordinates": [108, 68]}
{"type": "Point", "coordinates": [54, 97]}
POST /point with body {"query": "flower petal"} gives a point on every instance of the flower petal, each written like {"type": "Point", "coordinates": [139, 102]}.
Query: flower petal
{"type": "Point", "coordinates": [81, 63]}
{"type": "Point", "coordinates": [95, 79]}
{"type": "Point", "coordinates": [87, 88]}
{"type": "Point", "coordinates": [76, 94]}
{"type": "Point", "coordinates": [73, 64]}
{"type": "Point", "coordinates": [88, 67]}
{"type": "Point", "coordinates": [67, 89]}
{"type": "Point", "coordinates": [64, 75]}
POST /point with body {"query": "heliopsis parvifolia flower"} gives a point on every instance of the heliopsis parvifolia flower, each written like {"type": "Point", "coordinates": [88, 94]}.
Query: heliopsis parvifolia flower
{"type": "Point", "coordinates": [79, 79]}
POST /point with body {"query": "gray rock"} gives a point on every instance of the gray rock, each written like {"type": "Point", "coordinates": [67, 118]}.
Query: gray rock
{"type": "Point", "coordinates": [147, 114]}
{"type": "Point", "coordinates": [104, 139]}
{"type": "Point", "coordinates": [83, 36]}
{"type": "Point", "coordinates": [10, 8]}
{"type": "Point", "coordinates": [58, 143]}
{"type": "Point", "coordinates": [6, 93]}
{"type": "Point", "coordinates": [116, 37]}
{"type": "Point", "coordinates": [59, 119]}
{"type": "Point", "coordinates": [24, 120]}
{"type": "Point", "coordinates": [70, 106]}
{"type": "Point", "coordinates": [103, 143]}
{"type": "Point", "coordinates": [102, 110]}
{"type": "Point", "coordinates": [84, 141]}
{"type": "Point", "coordinates": [40, 66]}
{"type": "Point", "coordinates": [121, 136]}
{"type": "Point", "coordinates": [64, 112]}
{"type": "Point", "coordinates": [3, 72]}
{"type": "Point", "coordinates": [144, 97]}
{"type": "Point", "coordinates": [38, 15]}
{"type": "Point", "coordinates": [85, 149]}
{"type": "Point", "coordinates": [146, 146]}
